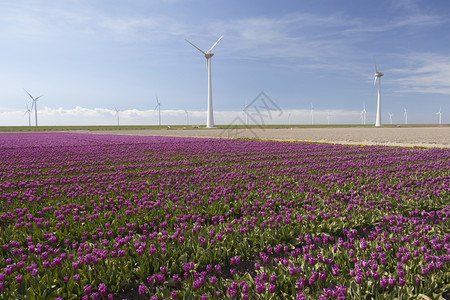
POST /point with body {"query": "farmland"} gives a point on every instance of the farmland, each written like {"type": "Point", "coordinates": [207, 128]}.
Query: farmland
{"type": "Point", "coordinates": [112, 217]}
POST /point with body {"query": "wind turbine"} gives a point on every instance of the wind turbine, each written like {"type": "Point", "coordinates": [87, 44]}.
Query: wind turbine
{"type": "Point", "coordinates": [405, 116]}
{"type": "Point", "coordinates": [117, 114]}
{"type": "Point", "coordinates": [158, 106]}
{"type": "Point", "coordinates": [363, 114]}
{"type": "Point", "coordinates": [440, 115]}
{"type": "Point", "coordinates": [328, 117]}
{"type": "Point", "coordinates": [29, 114]}
{"type": "Point", "coordinates": [378, 76]}
{"type": "Point", "coordinates": [187, 117]}
{"type": "Point", "coordinates": [246, 114]}
{"type": "Point", "coordinates": [390, 118]}
{"type": "Point", "coordinates": [289, 118]}
{"type": "Point", "coordinates": [35, 105]}
{"type": "Point", "coordinates": [208, 54]}
{"type": "Point", "coordinates": [312, 114]}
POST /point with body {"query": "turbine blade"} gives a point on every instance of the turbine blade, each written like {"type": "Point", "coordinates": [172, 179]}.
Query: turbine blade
{"type": "Point", "coordinates": [375, 63]}
{"type": "Point", "coordinates": [210, 49]}
{"type": "Point", "coordinates": [38, 97]}
{"type": "Point", "coordinates": [29, 94]}
{"type": "Point", "coordinates": [196, 47]}
{"type": "Point", "coordinates": [375, 81]}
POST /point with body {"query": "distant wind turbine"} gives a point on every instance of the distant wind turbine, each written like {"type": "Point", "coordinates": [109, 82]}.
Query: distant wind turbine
{"type": "Point", "coordinates": [35, 106]}
{"type": "Point", "coordinates": [440, 115]}
{"type": "Point", "coordinates": [208, 54]}
{"type": "Point", "coordinates": [378, 76]}
{"type": "Point", "coordinates": [246, 114]}
{"type": "Point", "coordinates": [363, 114]}
{"type": "Point", "coordinates": [117, 114]}
{"type": "Point", "coordinates": [29, 114]}
{"type": "Point", "coordinates": [158, 106]}
{"type": "Point", "coordinates": [390, 118]}
{"type": "Point", "coordinates": [328, 117]}
{"type": "Point", "coordinates": [312, 114]}
{"type": "Point", "coordinates": [187, 117]}
{"type": "Point", "coordinates": [405, 116]}
{"type": "Point", "coordinates": [289, 118]}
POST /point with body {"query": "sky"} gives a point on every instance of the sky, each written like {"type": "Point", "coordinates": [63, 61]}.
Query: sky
{"type": "Point", "coordinates": [89, 58]}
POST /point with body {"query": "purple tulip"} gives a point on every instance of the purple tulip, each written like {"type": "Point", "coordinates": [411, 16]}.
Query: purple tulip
{"type": "Point", "coordinates": [142, 289]}
{"type": "Point", "coordinates": [19, 278]}
{"type": "Point", "coordinates": [102, 289]}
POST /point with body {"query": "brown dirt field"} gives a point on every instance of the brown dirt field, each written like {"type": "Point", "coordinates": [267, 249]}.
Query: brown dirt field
{"type": "Point", "coordinates": [435, 137]}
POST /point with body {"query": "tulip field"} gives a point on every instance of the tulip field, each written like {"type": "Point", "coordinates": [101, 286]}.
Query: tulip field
{"type": "Point", "coordinates": [86, 216]}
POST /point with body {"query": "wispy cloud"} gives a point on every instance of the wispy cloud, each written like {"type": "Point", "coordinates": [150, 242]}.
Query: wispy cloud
{"type": "Point", "coordinates": [288, 37]}
{"type": "Point", "coordinates": [424, 73]}
{"type": "Point", "coordinates": [415, 21]}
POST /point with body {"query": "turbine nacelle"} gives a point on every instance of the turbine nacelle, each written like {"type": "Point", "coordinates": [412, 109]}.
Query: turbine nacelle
{"type": "Point", "coordinates": [378, 74]}
{"type": "Point", "coordinates": [208, 54]}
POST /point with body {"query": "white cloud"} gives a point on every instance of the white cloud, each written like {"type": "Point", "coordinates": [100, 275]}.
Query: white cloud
{"type": "Point", "coordinates": [102, 116]}
{"type": "Point", "coordinates": [423, 73]}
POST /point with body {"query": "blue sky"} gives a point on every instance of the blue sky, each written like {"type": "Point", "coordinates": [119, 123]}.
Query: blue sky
{"type": "Point", "coordinates": [86, 57]}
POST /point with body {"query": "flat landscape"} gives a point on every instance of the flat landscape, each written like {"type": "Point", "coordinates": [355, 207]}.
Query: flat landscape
{"type": "Point", "coordinates": [389, 136]}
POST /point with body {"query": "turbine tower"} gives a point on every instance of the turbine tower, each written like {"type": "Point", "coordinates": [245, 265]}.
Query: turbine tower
{"type": "Point", "coordinates": [35, 106]}
{"type": "Point", "coordinates": [312, 114]}
{"type": "Point", "coordinates": [246, 113]}
{"type": "Point", "coordinates": [117, 114]}
{"type": "Point", "coordinates": [29, 114]}
{"type": "Point", "coordinates": [378, 76]}
{"type": "Point", "coordinates": [158, 106]}
{"type": "Point", "coordinates": [363, 114]}
{"type": "Point", "coordinates": [405, 116]}
{"type": "Point", "coordinates": [187, 117]}
{"type": "Point", "coordinates": [208, 54]}
{"type": "Point", "coordinates": [440, 115]}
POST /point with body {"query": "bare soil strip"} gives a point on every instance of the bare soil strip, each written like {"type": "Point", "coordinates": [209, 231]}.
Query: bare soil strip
{"type": "Point", "coordinates": [433, 137]}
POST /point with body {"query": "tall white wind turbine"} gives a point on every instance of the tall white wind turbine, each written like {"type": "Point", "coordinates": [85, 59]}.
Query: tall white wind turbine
{"type": "Point", "coordinates": [158, 106]}
{"type": "Point", "coordinates": [208, 54]}
{"type": "Point", "coordinates": [312, 114]}
{"type": "Point", "coordinates": [35, 106]}
{"type": "Point", "coordinates": [405, 116]}
{"type": "Point", "coordinates": [390, 118]}
{"type": "Point", "coordinates": [440, 115]}
{"type": "Point", "coordinates": [378, 76]}
{"type": "Point", "coordinates": [187, 117]}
